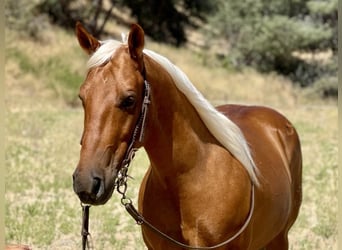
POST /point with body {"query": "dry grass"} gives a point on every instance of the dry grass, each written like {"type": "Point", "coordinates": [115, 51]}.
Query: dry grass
{"type": "Point", "coordinates": [43, 134]}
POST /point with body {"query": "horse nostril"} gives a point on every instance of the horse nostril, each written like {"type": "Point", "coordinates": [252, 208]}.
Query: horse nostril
{"type": "Point", "coordinates": [96, 185]}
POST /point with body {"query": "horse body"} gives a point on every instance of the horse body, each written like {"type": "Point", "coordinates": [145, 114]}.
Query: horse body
{"type": "Point", "coordinates": [195, 190]}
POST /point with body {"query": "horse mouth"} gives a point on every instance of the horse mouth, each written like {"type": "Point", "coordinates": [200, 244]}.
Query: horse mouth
{"type": "Point", "coordinates": [96, 197]}
{"type": "Point", "coordinates": [91, 199]}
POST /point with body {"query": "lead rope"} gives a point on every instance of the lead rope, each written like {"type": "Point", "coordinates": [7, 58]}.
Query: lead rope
{"type": "Point", "coordinates": [85, 227]}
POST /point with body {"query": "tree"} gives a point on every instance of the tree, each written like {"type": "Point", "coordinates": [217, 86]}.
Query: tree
{"type": "Point", "coordinates": [67, 12]}
{"type": "Point", "coordinates": [163, 20]}
{"type": "Point", "coordinates": [268, 35]}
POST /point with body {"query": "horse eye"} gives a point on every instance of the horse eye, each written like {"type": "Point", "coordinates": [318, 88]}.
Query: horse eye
{"type": "Point", "coordinates": [128, 102]}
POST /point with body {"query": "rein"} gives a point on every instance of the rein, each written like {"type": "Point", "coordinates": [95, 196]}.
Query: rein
{"type": "Point", "coordinates": [121, 187]}
{"type": "Point", "coordinates": [140, 220]}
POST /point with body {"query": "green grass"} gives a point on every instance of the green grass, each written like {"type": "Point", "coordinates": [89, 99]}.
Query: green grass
{"type": "Point", "coordinates": [56, 70]}
{"type": "Point", "coordinates": [65, 81]}
{"type": "Point", "coordinates": [42, 148]}
{"type": "Point", "coordinates": [23, 60]}
{"type": "Point", "coordinates": [41, 208]}
{"type": "Point", "coordinates": [316, 227]}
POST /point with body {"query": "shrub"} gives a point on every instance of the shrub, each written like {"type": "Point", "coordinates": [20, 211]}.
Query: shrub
{"type": "Point", "coordinates": [266, 35]}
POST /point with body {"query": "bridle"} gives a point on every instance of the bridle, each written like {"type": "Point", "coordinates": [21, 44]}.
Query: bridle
{"type": "Point", "coordinates": [121, 187]}
{"type": "Point", "coordinates": [122, 176]}
{"type": "Point", "coordinates": [121, 179]}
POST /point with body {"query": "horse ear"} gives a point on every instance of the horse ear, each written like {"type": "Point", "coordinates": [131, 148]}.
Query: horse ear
{"type": "Point", "coordinates": [87, 42]}
{"type": "Point", "coordinates": [136, 42]}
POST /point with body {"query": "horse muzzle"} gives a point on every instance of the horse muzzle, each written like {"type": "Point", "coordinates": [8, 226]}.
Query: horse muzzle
{"type": "Point", "coordinates": [93, 188]}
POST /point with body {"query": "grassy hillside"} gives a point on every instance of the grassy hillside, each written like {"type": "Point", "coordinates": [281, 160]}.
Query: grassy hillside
{"type": "Point", "coordinates": [44, 123]}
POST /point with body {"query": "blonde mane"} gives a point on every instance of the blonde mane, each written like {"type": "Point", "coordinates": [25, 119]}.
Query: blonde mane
{"type": "Point", "coordinates": [221, 127]}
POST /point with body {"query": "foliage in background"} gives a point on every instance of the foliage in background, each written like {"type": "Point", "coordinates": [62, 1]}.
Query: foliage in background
{"type": "Point", "coordinates": [277, 35]}
{"type": "Point", "coordinates": [272, 36]}
{"type": "Point", "coordinates": [66, 12]}
{"type": "Point", "coordinates": [166, 20]}
{"type": "Point", "coordinates": [24, 19]}
{"type": "Point", "coordinates": [32, 45]}
{"type": "Point", "coordinates": [162, 20]}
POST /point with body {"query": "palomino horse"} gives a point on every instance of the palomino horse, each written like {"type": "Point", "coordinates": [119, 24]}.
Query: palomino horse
{"type": "Point", "coordinates": [215, 174]}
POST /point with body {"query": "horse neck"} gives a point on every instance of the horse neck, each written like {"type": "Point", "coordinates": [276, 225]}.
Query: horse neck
{"type": "Point", "coordinates": [175, 135]}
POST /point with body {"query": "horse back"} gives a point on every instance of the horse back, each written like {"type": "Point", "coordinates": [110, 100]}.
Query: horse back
{"type": "Point", "coordinates": [260, 123]}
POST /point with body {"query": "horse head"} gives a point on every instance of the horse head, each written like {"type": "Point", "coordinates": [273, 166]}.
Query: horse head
{"type": "Point", "coordinates": [112, 96]}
